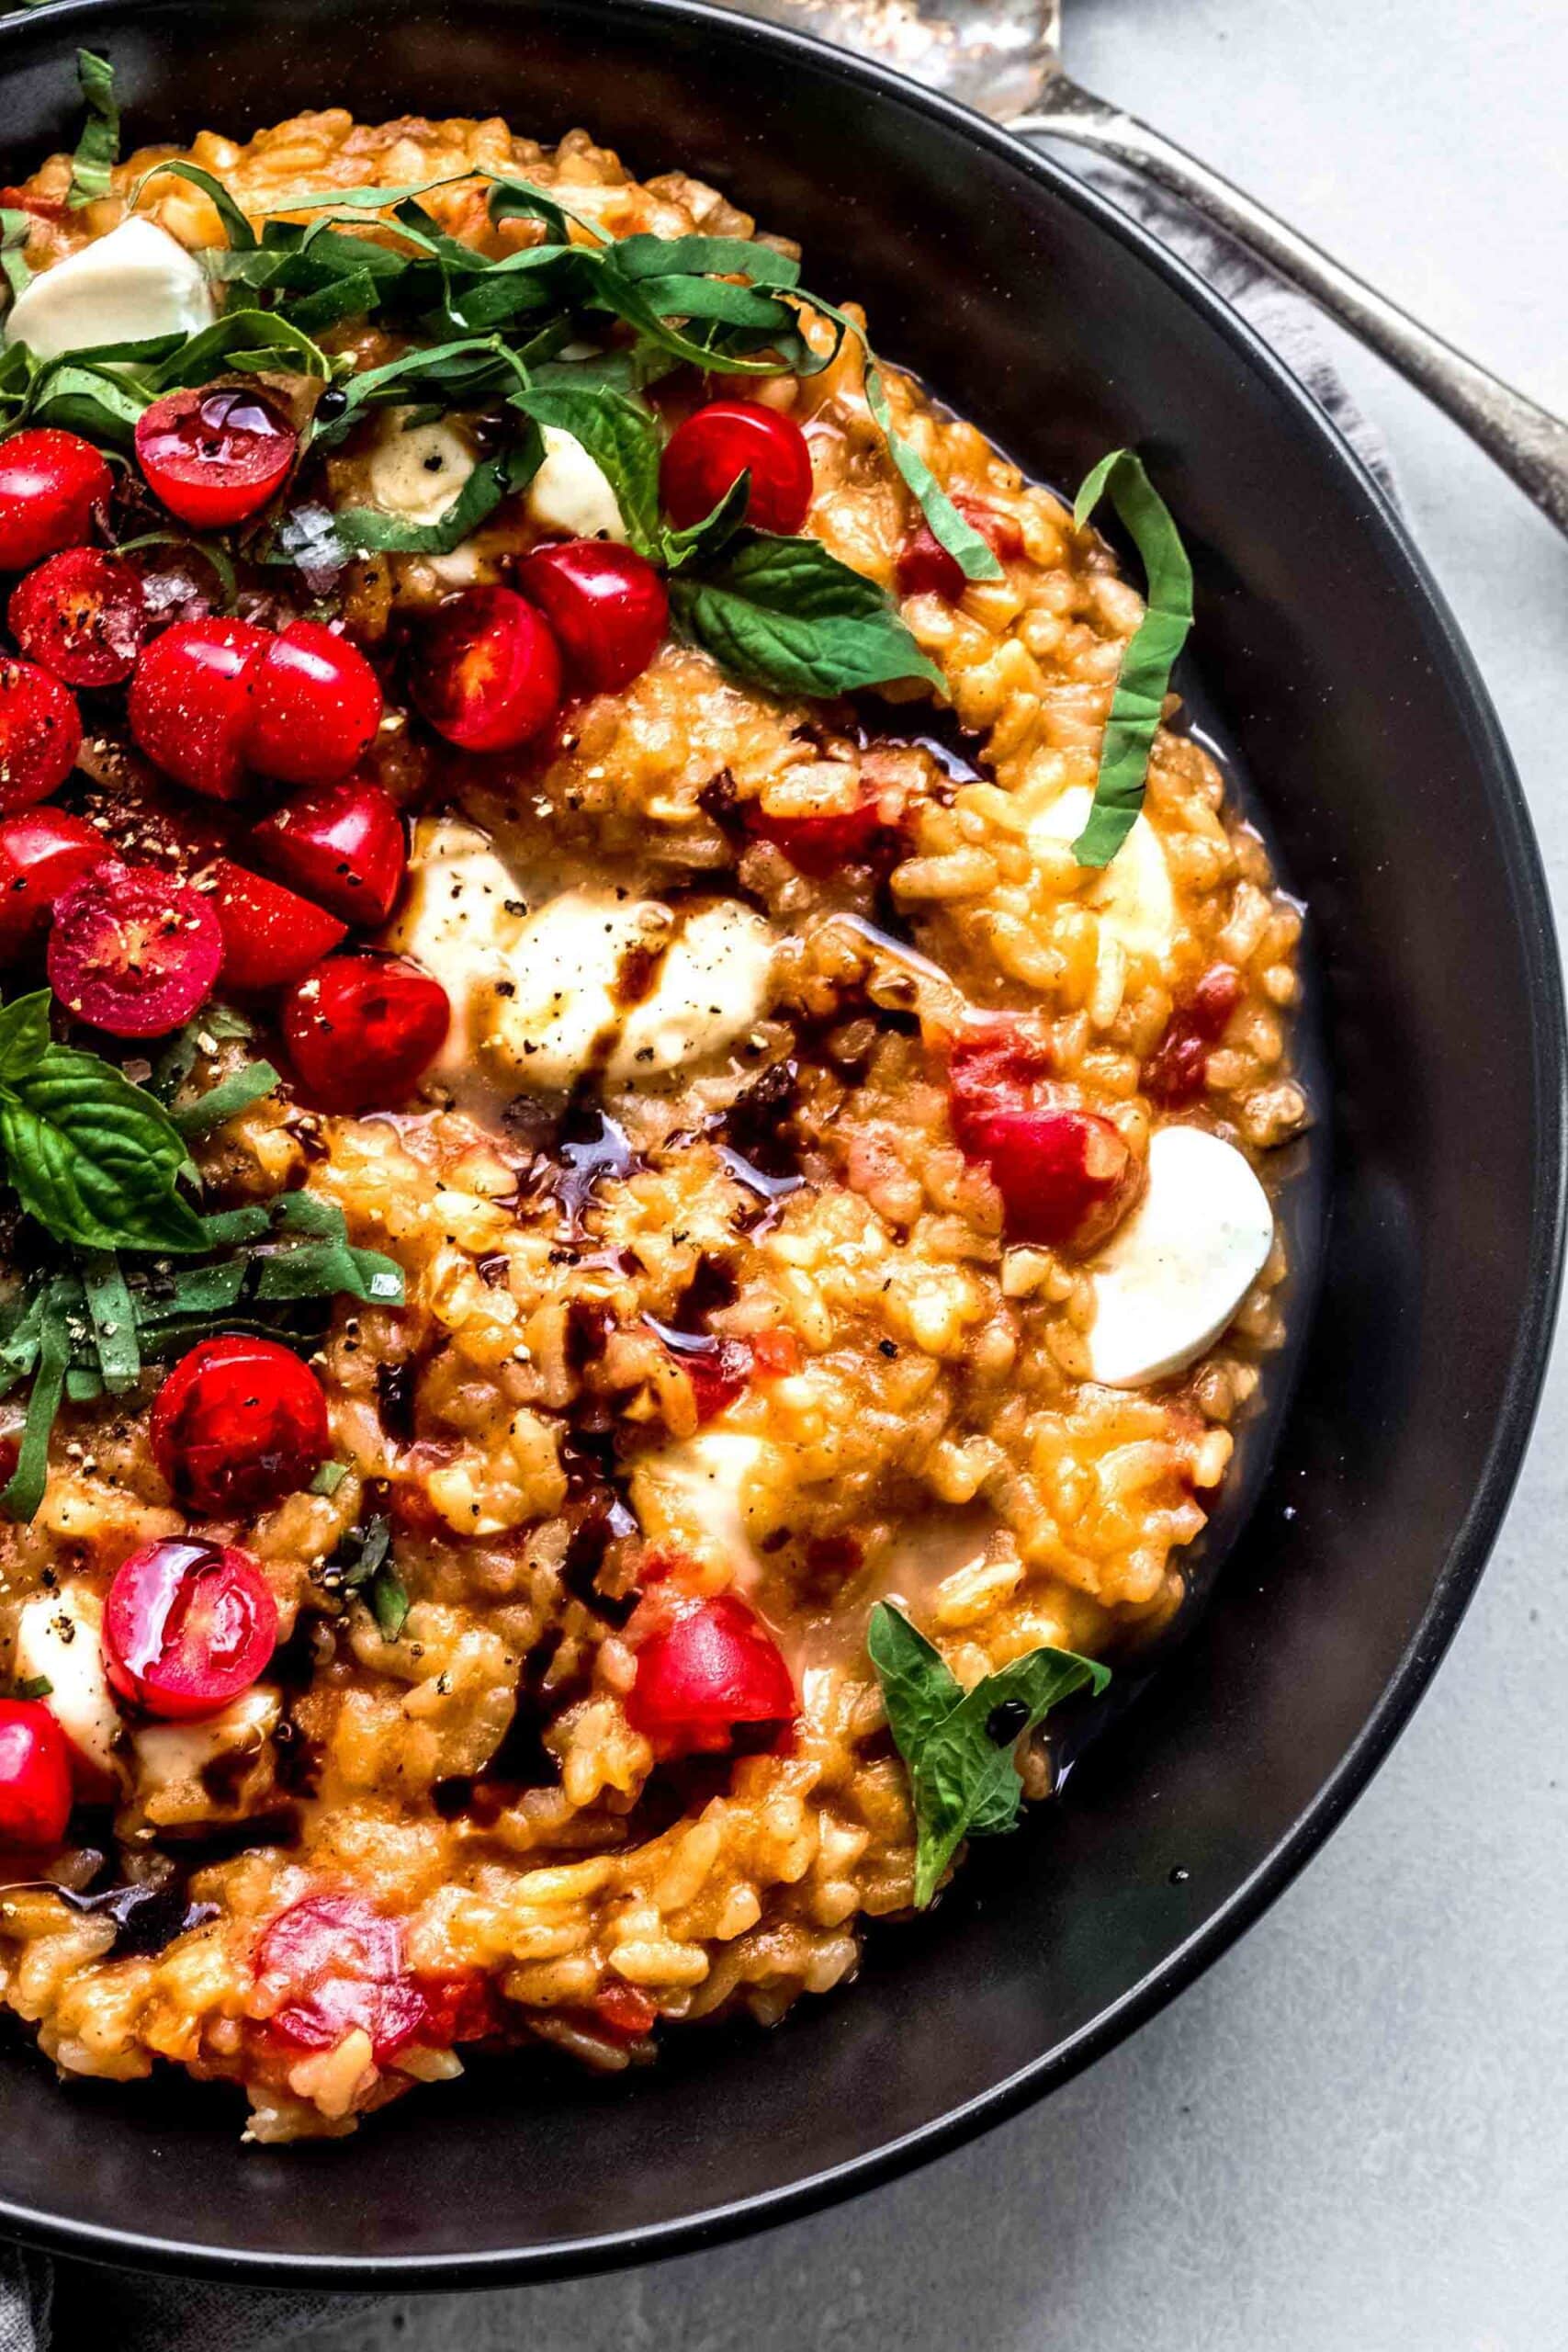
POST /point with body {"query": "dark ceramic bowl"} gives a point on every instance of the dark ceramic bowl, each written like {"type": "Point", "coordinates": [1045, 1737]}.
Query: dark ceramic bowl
{"type": "Point", "coordinates": [1339, 680]}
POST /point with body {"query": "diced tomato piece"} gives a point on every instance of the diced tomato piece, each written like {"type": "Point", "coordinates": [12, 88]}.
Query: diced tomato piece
{"type": "Point", "coordinates": [822, 846]}
{"type": "Point", "coordinates": [925, 567]}
{"type": "Point", "coordinates": [270, 936]}
{"type": "Point", "coordinates": [710, 1670]}
{"type": "Point", "coordinates": [776, 1354]}
{"type": "Point", "coordinates": [1066, 1175]}
{"type": "Point", "coordinates": [718, 1375]}
{"type": "Point", "coordinates": [629, 2014]}
{"type": "Point", "coordinates": [188, 1626]}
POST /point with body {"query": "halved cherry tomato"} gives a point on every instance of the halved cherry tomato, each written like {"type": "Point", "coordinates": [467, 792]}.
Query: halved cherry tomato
{"type": "Point", "coordinates": [607, 605]}
{"type": "Point", "coordinates": [362, 1029]}
{"type": "Point", "coordinates": [487, 674]}
{"type": "Point", "coordinates": [83, 615]}
{"type": "Point", "coordinates": [333, 1963]}
{"type": "Point", "coordinates": [42, 852]}
{"type": "Point", "coordinates": [132, 950]}
{"type": "Point", "coordinates": [212, 456]}
{"type": "Point", "coordinates": [1176, 1070]}
{"type": "Point", "coordinates": [238, 1424]}
{"type": "Point", "coordinates": [35, 1775]}
{"type": "Point", "coordinates": [343, 844]}
{"type": "Point", "coordinates": [315, 706]}
{"type": "Point", "coordinates": [711, 1667]}
{"type": "Point", "coordinates": [41, 734]}
{"type": "Point", "coordinates": [705, 457]}
{"type": "Point", "coordinates": [270, 936]}
{"type": "Point", "coordinates": [925, 568]}
{"type": "Point", "coordinates": [52, 485]}
{"type": "Point", "coordinates": [188, 1626]}
{"type": "Point", "coordinates": [190, 701]}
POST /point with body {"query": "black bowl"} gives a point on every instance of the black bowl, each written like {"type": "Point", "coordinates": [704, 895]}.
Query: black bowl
{"type": "Point", "coordinates": [1041, 313]}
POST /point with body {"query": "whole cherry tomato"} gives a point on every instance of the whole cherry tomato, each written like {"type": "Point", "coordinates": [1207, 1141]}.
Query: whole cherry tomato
{"type": "Point", "coordinates": [343, 845]}
{"type": "Point", "coordinates": [315, 706]}
{"type": "Point", "coordinates": [705, 457]}
{"type": "Point", "coordinates": [132, 950]}
{"type": "Point", "coordinates": [82, 615]}
{"type": "Point", "coordinates": [925, 568]}
{"type": "Point", "coordinates": [332, 1965]}
{"type": "Point", "coordinates": [212, 456]}
{"type": "Point", "coordinates": [35, 1776]}
{"type": "Point", "coordinates": [42, 852]}
{"type": "Point", "coordinates": [41, 734]}
{"type": "Point", "coordinates": [52, 485]}
{"type": "Point", "coordinates": [190, 701]}
{"type": "Point", "coordinates": [710, 1670]}
{"type": "Point", "coordinates": [607, 605]}
{"type": "Point", "coordinates": [238, 1424]}
{"type": "Point", "coordinates": [270, 936]}
{"type": "Point", "coordinates": [188, 1626]}
{"type": "Point", "coordinates": [487, 674]}
{"type": "Point", "coordinates": [362, 1029]}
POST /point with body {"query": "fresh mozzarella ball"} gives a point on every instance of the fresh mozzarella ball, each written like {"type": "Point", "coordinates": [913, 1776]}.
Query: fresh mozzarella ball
{"type": "Point", "coordinates": [136, 282]}
{"type": "Point", "coordinates": [416, 471]}
{"type": "Point", "coordinates": [712, 985]}
{"type": "Point", "coordinates": [60, 1637]}
{"type": "Point", "coordinates": [1133, 896]}
{"type": "Point", "coordinates": [564, 971]}
{"type": "Point", "coordinates": [170, 1759]}
{"type": "Point", "coordinates": [701, 1498]}
{"type": "Point", "coordinates": [1168, 1281]}
{"type": "Point", "coordinates": [461, 917]}
{"type": "Point", "coordinates": [569, 494]}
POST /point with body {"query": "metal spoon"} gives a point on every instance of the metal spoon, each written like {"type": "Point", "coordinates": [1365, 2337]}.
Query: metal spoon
{"type": "Point", "coordinates": [1003, 58]}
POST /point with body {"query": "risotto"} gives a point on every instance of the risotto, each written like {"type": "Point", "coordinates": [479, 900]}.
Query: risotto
{"type": "Point", "coordinates": [638, 1095]}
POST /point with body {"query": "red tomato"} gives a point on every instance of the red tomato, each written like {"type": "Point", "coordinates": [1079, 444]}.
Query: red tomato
{"type": "Point", "coordinates": [315, 706]}
{"type": "Point", "coordinates": [41, 734]}
{"type": "Point", "coordinates": [214, 455]}
{"type": "Point", "coordinates": [363, 1028]}
{"type": "Point", "coordinates": [343, 844]}
{"type": "Point", "coordinates": [270, 936]}
{"type": "Point", "coordinates": [1067, 1176]}
{"type": "Point", "coordinates": [238, 1424]}
{"type": "Point", "coordinates": [718, 1370]}
{"type": "Point", "coordinates": [629, 2014]}
{"type": "Point", "coordinates": [35, 1775]}
{"type": "Point", "coordinates": [459, 2008]}
{"type": "Point", "coordinates": [706, 456]}
{"type": "Point", "coordinates": [188, 1626]}
{"type": "Point", "coordinates": [607, 605]}
{"type": "Point", "coordinates": [83, 615]}
{"type": "Point", "coordinates": [42, 852]}
{"type": "Point", "coordinates": [710, 1669]}
{"type": "Point", "coordinates": [190, 701]}
{"type": "Point", "coordinates": [52, 485]}
{"type": "Point", "coordinates": [822, 845]}
{"type": "Point", "coordinates": [925, 568]}
{"type": "Point", "coordinates": [1175, 1072]}
{"type": "Point", "coordinates": [132, 950]}
{"type": "Point", "coordinates": [332, 1963]}
{"type": "Point", "coordinates": [488, 672]}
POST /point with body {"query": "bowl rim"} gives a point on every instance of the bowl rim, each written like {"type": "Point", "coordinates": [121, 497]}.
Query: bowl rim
{"type": "Point", "coordinates": [1459, 1574]}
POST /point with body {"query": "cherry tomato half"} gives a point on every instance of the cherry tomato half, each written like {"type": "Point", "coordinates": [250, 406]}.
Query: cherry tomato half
{"type": "Point", "coordinates": [333, 1963]}
{"type": "Point", "coordinates": [190, 701]}
{"type": "Point", "coordinates": [132, 950]}
{"type": "Point", "coordinates": [712, 1668]}
{"type": "Point", "coordinates": [42, 852]}
{"type": "Point", "coordinates": [343, 844]}
{"type": "Point", "coordinates": [362, 1029]}
{"type": "Point", "coordinates": [82, 615]}
{"type": "Point", "coordinates": [41, 734]}
{"type": "Point", "coordinates": [238, 1424]}
{"type": "Point", "coordinates": [487, 674]}
{"type": "Point", "coordinates": [315, 706]}
{"type": "Point", "coordinates": [925, 568]}
{"type": "Point", "coordinates": [213, 456]}
{"type": "Point", "coordinates": [35, 1775]}
{"type": "Point", "coordinates": [270, 936]}
{"type": "Point", "coordinates": [607, 605]}
{"type": "Point", "coordinates": [52, 484]}
{"type": "Point", "coordinates": [188, 1626]}
{"type": "Point", "coordinates": [705, 457]}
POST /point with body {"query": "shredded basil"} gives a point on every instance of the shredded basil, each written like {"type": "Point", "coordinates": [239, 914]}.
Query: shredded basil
{"type": "Point", "coordinates": [1143, 679]}
{"type": "Point", "coordinates": [98, 150]}
{"type": "Point", "coordinates": [15, 228]}
{"type": "Point", "coordinates": [363, 1564]}
{"type": "Point", "coordinates": [226, 1098]}
{"type": "Point", "coordinates": [959, 1747]}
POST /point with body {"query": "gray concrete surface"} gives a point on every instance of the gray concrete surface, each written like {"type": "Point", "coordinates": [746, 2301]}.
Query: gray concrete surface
{"type": "Point", "coordinates": [1352, 2135]}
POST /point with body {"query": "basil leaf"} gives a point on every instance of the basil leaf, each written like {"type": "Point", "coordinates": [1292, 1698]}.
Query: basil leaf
{"type": "Point", "coordinates": [34, 1686]}
{"type": "Point", "coordinates": [390, 1602]}
{"type": "Point", "coordinates": [697, 256]}
{"type": "Point", "coordinates": [24, 1492]}
{"type": "Point", "coordinates": [677, 548]}
{"type": "Point", "coordinates": [15, 228]}
{"type": "Point", "coordinates": [113, 1313]}
{"type": "Point", "coordinates": [237, 229]}
{"type": "Point", "coordinates": [217, 1021]}
{"type": "Point", "coordinates": [963, 1773]}
{"type": "Point", "coordinates": [1143, 679]}
{"type": "Point", "coordinates": [94, 1159]}
{"type": "Point", "coordinates": [623, 441]}
{"type": "Point", "coordinates": [226, 1098]}
{"type": "Point", "coordinates": [970, 553]}
{"type": "Point", "coordinates": [787, 616]}
{"type": "Point", "coordinates": [24, 1031]}
{"type": "Point", "coordinates": [79, 397]}
{"type": "Point", "coordinates": [245, 341]}
{"type": "Point", "coordinates": [98, 150]}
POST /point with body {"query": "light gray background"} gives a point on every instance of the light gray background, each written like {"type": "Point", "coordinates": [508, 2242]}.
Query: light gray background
{"type": "Point", "coordinates": [1352, 2136]}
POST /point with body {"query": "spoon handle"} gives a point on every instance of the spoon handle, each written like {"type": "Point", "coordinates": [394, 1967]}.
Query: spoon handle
{"type": "Point", "coordinates": [1526, 440]}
